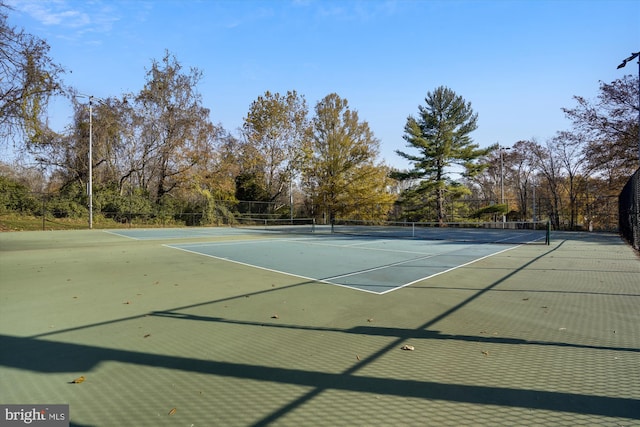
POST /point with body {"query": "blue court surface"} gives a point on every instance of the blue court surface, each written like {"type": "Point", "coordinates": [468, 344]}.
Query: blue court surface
{"type": "Point", "coordinates": [366, 264]}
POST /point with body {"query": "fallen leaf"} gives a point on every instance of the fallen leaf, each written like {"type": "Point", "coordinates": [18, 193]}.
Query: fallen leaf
{"type": "Point", "coordinates": [275, 316]}
{"type": "Point", "coordinates": [370, 320]}
{"type": "Point", "coordinates": [486, 353]}
{"type": "Point", "coordinates": [357, 357]}
{"type": "Point", "coordinates": [146, 336]}
{"type": "Point", "coordinates": [172, 411]}
{"type": "Point", "coordinates": [78, 380]}
{"type": "Point", "coordinates": [407, 347]}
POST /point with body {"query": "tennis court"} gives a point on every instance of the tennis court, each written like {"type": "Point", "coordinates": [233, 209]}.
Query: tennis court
{"type": "Point", "coordinates": [368, 258]}
{"type": "Point", "coordinates": [371, 265]}
{"type": "Point", "coordinates": [251, 327]}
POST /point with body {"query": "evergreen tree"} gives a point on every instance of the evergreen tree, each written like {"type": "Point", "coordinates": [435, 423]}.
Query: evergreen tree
{"type": "Point", "coordinates": [440, 133]}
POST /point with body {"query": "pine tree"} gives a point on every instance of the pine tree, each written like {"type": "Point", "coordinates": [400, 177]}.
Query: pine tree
{"type": "Point", "coordinates": [440, 133]}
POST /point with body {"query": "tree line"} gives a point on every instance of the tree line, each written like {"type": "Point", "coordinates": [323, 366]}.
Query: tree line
{"type": "Point", "coordinates": [158, 149]}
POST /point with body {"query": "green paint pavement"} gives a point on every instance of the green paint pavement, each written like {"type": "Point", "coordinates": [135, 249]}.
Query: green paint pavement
{"type": "Point", "coordinates": [535, 335]}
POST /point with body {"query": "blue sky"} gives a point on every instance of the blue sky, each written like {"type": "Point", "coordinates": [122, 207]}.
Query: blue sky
{"type": "Point", "coordinates": [517, 62]}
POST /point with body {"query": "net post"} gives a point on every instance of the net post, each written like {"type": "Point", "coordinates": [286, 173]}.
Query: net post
{"type": "Point", "coordinates": [547, 240]}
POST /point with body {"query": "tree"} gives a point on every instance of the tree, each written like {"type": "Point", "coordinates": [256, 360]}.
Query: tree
{"type": "Point", "coordinates": [340, 171]}
{"type": "Point", "coordinates": [549, 166]}
{"type": "Point", "coordinates": [440, 133]}
{"type": "Point", "coordinates": [610, 128]}
{"type": "Point", "coordinates": [520, 163]}
{"type": "Point", "coordinates": [173, 125]}
{"type": "Point", "coordinates": [569, 149]}
{"type": "Point", "coordinates": [28, 78]}
{"type": "Point", "coordinates": [274, 129]}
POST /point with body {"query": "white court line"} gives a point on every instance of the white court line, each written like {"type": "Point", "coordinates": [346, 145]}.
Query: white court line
{"type": "Point", "coordinates": [120, 235]}
{"type": "Point", "coordinates": [195, 234]}
{"type": "Point", "coordinates": [313, 279]}
{"type": "Point", "coordinates": [396, 251]}
{"type": "Point", "coordinates": [383, 267]}
{"type": "Point", "coordinates": [448, 270]}
{"type": "Point", "coordinates": [234, 242]}
{"type": "Point", "coordinates": [328, 280]}
{"type": "Point", "coordinates": [355, 246]}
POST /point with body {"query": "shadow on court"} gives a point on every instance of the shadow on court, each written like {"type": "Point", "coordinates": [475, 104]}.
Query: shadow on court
{"type": "Point", "coordinates": [27, 354]}
{"type": "Point", "coordinates": [48, 353]}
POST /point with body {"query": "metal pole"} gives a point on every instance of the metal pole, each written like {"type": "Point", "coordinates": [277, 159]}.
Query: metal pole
{"type": "Point", "coordinates": [534, 202]}
{"type": "Point", "coordinates": [501, 178]}
{"type": "Point", "coordinates": [90, 190]}
{"type": "Point", "coordinates": [504, 217]}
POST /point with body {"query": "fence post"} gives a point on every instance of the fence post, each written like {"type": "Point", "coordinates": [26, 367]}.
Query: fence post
{"type": "Point", "coordinates": [44, 210]}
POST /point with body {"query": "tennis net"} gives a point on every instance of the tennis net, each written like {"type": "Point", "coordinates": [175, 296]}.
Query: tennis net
{"type": "Point", "coordinates": [511, 232]}
{"type": "Point", "coordinates": [295, 225]}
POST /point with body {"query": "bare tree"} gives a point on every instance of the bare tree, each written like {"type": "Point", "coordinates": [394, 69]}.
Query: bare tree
{"type": "Point", "coordinates": [28, 78]}
{"type": "Point", "coordinates": [549, 166]}
{"type": "Point", "coordinates": [569, 150]}
{"type": "Point", "coordinates": [173, 125]}
{"type": "Point", "coordinates": [609, 127]}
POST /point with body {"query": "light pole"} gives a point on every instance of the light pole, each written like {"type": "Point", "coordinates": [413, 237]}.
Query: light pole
{"type": "Point", "coordinates": [624, 62]}
{"type": "Point", "coordinates": [90, 187]}
{"type": "Point", "coordinates": [90, 180]}
{"type": "Point", "coordinates": [533, 184]}
{"type": "Point", "coordinates": [504, 218]}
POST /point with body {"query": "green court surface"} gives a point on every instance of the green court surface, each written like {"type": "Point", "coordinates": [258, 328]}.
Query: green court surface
{"type": "Point", "coordinates": [228, 327]}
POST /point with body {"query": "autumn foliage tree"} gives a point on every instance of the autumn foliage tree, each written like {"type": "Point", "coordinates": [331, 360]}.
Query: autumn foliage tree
{"type": "Point", "coordinates": [340, 173]}
{"type": "Point", "coordinates": [157, 152]}
{"type": "Point", "coordinates": [274, 131]}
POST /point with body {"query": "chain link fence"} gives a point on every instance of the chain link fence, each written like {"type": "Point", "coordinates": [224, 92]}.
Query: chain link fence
{"type": "Point", "coordinates": [629, 210]}
{"type": "Point", "coordinates": [595, 214]}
